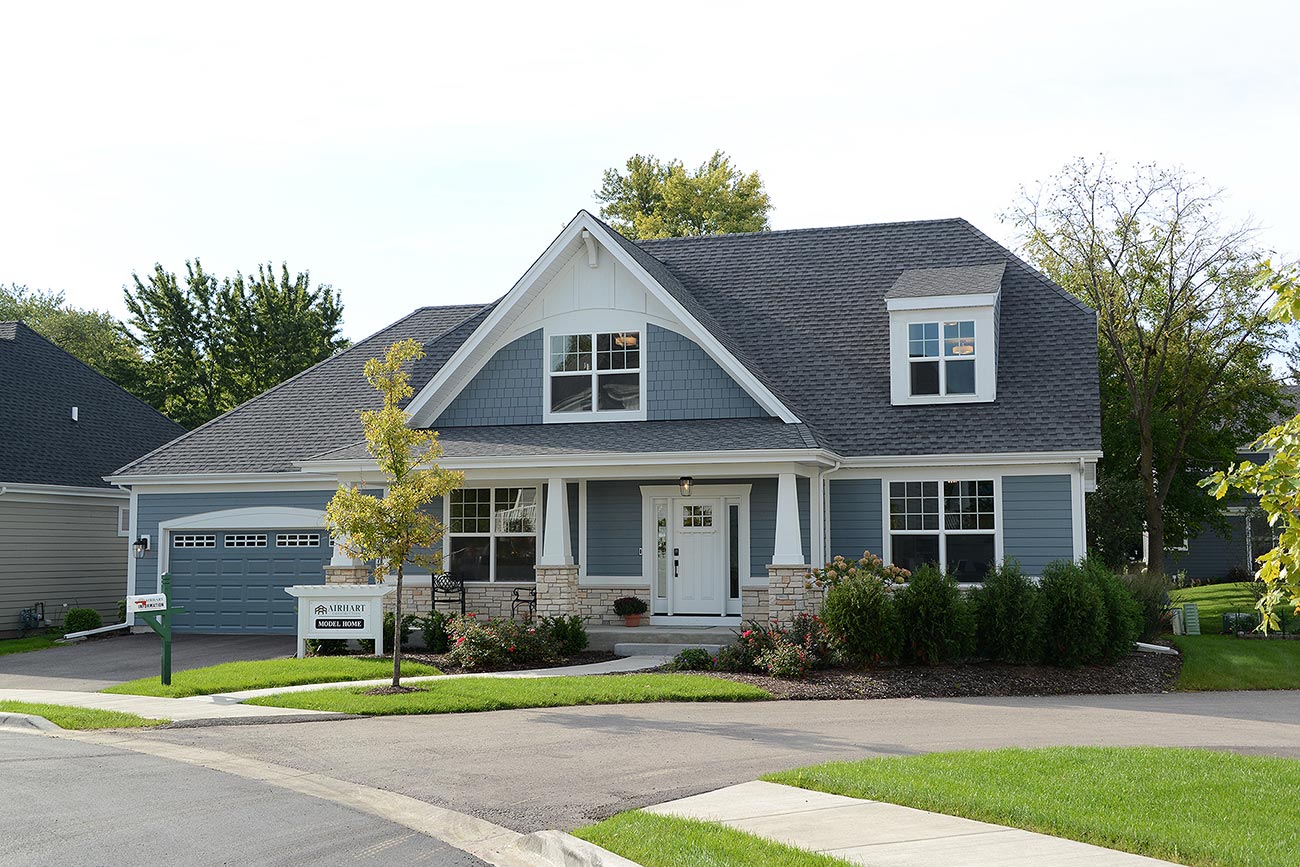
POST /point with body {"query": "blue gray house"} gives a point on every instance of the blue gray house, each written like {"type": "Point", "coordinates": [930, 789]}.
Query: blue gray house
{"type": "Point", "coordinates": [693, 421]}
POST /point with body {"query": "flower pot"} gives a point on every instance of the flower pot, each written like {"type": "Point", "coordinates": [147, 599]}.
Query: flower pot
{"type": "Point", "coordinates": [632, 619]}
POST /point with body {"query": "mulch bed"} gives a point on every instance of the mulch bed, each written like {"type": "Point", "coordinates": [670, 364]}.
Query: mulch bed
{"type": "Point", "coordinates": [1136, 673]}
{"type": "Point", "coordinates": [440, 661]}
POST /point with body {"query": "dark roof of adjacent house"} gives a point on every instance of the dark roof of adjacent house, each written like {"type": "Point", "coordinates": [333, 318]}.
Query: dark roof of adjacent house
{"type": "Point", "coordinates": [804, 310]}
{"type": "Point", "coordinates": [40, 443]}
{"type": "Point", "coordinates": [929, 282]}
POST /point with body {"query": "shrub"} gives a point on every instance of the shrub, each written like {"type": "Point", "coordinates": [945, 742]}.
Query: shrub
{"type": "Point", "coordinates": [625, 605]}
{"type": "Point", "coordinates": [784, 658]}
{"type": "Point", "coordinates": [750, 643]}
{"type": "Point", "coordinates": [409, 622]}
{"type": "Point", "coordinates": [495, 643]}
{"type": "Point", "coordinates": [869, 566]}
{"type": "Point", "coordinates": [81, 619]}
{"type": "Point", "coordinates": [1238, 573]}
{"type": "Point", "coordinates": [567, 634]}
{"type": "Point", "coordinates": [934, 618]}
{"type": "Point", "coordinates": [692, 659]}
{"type": "Point", "coordinates": [121, 611]}
{"type": "Point", "coordinates": [328, 646]}
{"type": "Point", "coordinates": [859, 610]}
{"type": "Point", "coordinates": [1123, 614]}
{"type": "Point", "coordinates": [1074, 615]}
{"type": "Point", "coordinates": [1151, 591]}
{"type": "Point", "coordinates": [433, 628]}
{"type": "Point", "coordinates": [1008, 617]}
{"type": "Point", "coordinates": [823, 647]}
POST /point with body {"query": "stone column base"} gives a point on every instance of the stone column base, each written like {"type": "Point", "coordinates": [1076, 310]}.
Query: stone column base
{"type": "Point", "coordinates": [557, 590]}
{"type": "Point", "coordinates": [347, 575]}
{"type": "Point", "coordinates": [788, 595]}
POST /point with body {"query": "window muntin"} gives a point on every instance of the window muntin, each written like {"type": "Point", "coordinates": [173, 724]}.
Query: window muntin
{"type": "Point", "coordinates": [297, 540]}
{"type": "Point", "coordinates": [697, 517]}
{"type": "Point", "coordinates": [194, 540]}
{"type": "Point", "coordinates": [597, 372]}
{"type": "Point", "coordinates": [492, 533]}
{"type": "Point", "coordinates": [245, 540]}
{"type": "Point", "coordinates": [950, 373]}
{"type": "Point", "coordinates": [956, 529]}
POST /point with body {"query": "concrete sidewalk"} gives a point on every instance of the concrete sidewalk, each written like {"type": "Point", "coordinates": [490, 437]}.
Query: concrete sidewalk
{"type": "Point", "coordinates": [149, 707]}
{"type": "Point", "coordinates": [885, 835]}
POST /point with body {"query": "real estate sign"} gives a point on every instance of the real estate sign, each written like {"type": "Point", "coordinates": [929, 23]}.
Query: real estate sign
{"type": "Point", "coordinates": [340, 611]}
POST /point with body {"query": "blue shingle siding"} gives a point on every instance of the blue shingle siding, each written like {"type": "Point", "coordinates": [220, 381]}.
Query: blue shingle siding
{"type": "Point", "coordinates": [614, 528]}
{"type": "Point", "coordinates": [856, 520]}
{"type": "Point", "coordinates": [683, 382]}
{"type": "Point", "coordinates": [1037, 525]}
{"type": "Point", "coordinates": [1211, 554]}
{"type": "Point", "coordinates": [508, 390]}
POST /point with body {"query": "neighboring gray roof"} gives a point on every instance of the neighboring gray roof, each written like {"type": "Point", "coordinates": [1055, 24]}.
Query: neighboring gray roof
{"type": "Point", "coordinates": [40, 444]}
{"type": "Point", "coordinates": [611, 438]}
{"type": "Point", "coordinates": [313, 411]}
{"type": "Point", "coordinates": [927, 282]}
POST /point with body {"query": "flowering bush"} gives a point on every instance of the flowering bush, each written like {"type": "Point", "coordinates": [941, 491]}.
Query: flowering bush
{"type": "Point", "coordinates": [784, 658]}
{"type": "Point", "coordinates": [760, 648]}
{"type": "Point", "coordinates": [476, 645]}
{"type": "Point", "coordinates": [840, 569]}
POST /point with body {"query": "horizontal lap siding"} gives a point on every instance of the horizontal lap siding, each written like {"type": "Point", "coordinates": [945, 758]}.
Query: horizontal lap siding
{"type": "Point", "coordinates": [762, 522]}
{"type": "Point", "coordinates": [1211, 554]}
{"type": "Point", "coordinates": [856, 520]}
{"type": "Point", "coordinates": [614, 529]}
{"type": "Point", "coordinates": [60, 552]}
{"type": "Point", "coordinates": [1037, 521]}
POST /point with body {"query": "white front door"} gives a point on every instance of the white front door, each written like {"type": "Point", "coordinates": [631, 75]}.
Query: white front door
{"type": "Point", "coordinates": [699, 577]}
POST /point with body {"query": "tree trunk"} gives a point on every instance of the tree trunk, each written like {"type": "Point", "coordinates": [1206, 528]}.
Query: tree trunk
{"type": "Point", "coordinates": [397, 631]}
{"type": "Point", "coordinates": [1155, 519]}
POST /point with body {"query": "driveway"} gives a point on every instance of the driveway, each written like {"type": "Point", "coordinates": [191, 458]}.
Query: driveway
{"type": "Point", "coordinates": [93, 665]}
{"type": "Point", "coordinates": [564, 767]}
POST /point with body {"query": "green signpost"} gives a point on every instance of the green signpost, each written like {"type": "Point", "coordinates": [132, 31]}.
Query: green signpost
{"type": "Point", "coordinates": [156, 610]}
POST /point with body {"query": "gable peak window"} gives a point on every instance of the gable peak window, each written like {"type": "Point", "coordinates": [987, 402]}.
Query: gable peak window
{"type": "Point", "coordinates": [595, 372]}
{"type": "Point", "coordinates": [941, 357]}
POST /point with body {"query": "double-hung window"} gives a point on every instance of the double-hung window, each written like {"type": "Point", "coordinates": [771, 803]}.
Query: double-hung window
{"type": "Point", "coordinates": [595, 372]}
{"type": "Point", "coordinates": [950, 523]}
{"type": "Point", "coordinates": [492, 533]}
{"type": "Point", "coordinates": [941, 357]}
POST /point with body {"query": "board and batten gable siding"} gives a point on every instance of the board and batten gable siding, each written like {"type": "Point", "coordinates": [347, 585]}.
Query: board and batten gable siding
{"type": "Point", "coordinates": [153, 509]}
{"type": "Point", "coordinates": [857, 518]}
{"type": "Point", "coordinates": [61, 550]}
{"type": "Point", "coordinates": [1037, 520]}
{"type": "Point", "coordinates": [683, 382]}
{"type": "Point", "coordinates": [507, 390]}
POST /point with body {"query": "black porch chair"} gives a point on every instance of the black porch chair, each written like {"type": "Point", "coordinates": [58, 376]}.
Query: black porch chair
{"type": "Point", "coordinates": [524, 597]}
{"type": "Point", "coordinates": [449, 586]}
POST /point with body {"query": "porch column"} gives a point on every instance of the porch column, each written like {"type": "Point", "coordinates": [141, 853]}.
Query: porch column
{"type": "Point", "coordinates": [557, 576]}
{"type": "Point", "coordinates": [343, 569]}
{"type": "Point", "coordinates": [787, 595]}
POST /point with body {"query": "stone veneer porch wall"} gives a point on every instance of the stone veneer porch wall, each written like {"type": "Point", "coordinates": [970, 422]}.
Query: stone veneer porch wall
{"type": "Point", "coordinates": [493, 600]}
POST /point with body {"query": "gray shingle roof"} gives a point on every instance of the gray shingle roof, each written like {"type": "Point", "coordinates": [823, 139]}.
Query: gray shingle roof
{"type": "Point", "coordinates": [40, 444]}
{"type": "Point", "coordinates": [636, 437]}
{"type": "Point", "coordinates": [927, 282]}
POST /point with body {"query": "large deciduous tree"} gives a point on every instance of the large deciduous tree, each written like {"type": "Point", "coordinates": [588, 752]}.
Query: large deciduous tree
{"type": "Point", "coordinates": [1185, 340]}
{"type": "Point", "coordinates": [396, 528]}
{"type": "Point", "coordinates": [94, 336]}
{"type": "Point", "coordinates": [656, 199]}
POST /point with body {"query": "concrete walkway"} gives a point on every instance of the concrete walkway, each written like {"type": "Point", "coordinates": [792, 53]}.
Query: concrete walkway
{"type": "Point", "coordinates": [884, 835]}
{"type": "Point", "coordinates": [149, 707]}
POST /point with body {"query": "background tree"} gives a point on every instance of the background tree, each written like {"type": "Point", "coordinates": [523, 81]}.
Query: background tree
{"type": "Point", "coordinates": [209, 345]}
{"type": "Point", "coordinates": [397, 528]}
{"type": "Point", "coordinates": [664, 200]}
{"type": "Point", "coordinates": [94, 336]}
{"type": "Point", "coordinates": [1185, 340]}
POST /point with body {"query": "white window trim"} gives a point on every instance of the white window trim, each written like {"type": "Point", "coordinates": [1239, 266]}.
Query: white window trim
{"type": "Point", "coordinates": [124, 511]}
{"type": "Point", "coordinates": [921, 475]}
{"type": "Point", "coordinates": [900, 375]}
{"type": "Point", "coordinates": [942, 358]}
{"type": "Point", "coordinates": [492, 535]}
{"type": "Point", "coordinates": [594, 415]}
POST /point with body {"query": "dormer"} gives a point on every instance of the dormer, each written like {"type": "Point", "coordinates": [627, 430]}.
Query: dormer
{"type": "Point", "coordinates": [943, 333]}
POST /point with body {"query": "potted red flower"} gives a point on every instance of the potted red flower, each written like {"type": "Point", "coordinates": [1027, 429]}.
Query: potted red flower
{"type": "Point", "coordinates": [630, 608]}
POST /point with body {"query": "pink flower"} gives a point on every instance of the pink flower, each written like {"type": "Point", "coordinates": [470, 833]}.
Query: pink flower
{"type": "Point", "coordinates": [460, 640]}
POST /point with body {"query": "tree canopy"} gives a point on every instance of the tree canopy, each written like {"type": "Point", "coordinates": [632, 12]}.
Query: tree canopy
{"type": "Point", "coordinates": [656, 199]}
{"type": "Point", "coordinates": [94, 336]}
{"type": "Point", "coordinates": [1185, 339]}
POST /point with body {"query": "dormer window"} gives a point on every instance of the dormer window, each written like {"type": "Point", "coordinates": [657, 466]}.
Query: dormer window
{"type": "Point", "coordinates": [944, 366]}
{"type": "Point", "coordinates": [596, 372]}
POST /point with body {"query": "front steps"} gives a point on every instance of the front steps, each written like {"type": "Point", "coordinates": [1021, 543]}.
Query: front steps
{"type": "Point", "coordinates": [658, 640]}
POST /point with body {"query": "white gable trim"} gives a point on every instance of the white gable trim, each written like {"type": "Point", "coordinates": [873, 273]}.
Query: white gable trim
{"type": "Point", "coordinates": [474, 353]}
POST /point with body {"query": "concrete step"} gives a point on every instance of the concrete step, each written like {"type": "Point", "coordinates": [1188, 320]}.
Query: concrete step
{"type": "Point", "coordinates": [605, 637]}
{"type": "Point", "coordinates": [627, 648]}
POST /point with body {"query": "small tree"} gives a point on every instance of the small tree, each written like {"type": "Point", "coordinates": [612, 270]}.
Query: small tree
{"type": "Point", "coordinates": [1277, 481]}
{"type": "Point", "coordinates": [394, 529]}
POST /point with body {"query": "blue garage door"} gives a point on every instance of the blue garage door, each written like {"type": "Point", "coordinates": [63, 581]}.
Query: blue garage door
{"type": "Point", "coordinates": [233, 581]}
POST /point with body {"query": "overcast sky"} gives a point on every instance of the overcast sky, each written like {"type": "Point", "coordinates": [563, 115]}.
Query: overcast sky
{"type": "Point", "coordinates": [426, 154]}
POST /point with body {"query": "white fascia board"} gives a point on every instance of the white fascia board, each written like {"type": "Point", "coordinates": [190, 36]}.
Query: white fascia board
{"type": "Point", "coordinates": [969, 459]}
{"type": "Point", "coordinates": [929, 302]}
{"type": "Point", "coordinates": [227, 481]}
{"type": "Point", "coordinates": [10, 489]}
{"type": "Point", "coordinates": [820, 457]}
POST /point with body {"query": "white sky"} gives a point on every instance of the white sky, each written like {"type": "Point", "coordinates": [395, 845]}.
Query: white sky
{"type": "Point", "coordinates": [426, 153]}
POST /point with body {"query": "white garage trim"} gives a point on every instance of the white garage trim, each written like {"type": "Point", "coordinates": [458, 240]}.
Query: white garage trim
{"type": "Point", "coordinates": [253, 518]}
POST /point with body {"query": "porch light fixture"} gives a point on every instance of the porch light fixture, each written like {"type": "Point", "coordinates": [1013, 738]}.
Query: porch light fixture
{"type": "Point", "coordinates": [141, 546]}
{"type": "Point", "coordinates": [685, 483]}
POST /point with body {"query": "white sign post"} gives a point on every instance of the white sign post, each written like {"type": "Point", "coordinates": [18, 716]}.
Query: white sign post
{"type": "Point", "coordinates": [340, 611]}
{"type": "Point", "coordinates": [147, 602]}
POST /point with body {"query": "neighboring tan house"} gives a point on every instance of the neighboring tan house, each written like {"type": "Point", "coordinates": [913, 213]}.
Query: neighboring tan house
{"type": "Point", "coordinates": [692, 420]}
{"type": "Point", "coordinates": [64, 531]}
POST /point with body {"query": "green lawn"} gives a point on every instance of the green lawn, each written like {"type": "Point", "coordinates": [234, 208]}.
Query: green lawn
{"type": "Point", "coordinates": [80, 717]}
{"type": "Point", "coordinates": [1212, 600]}
{"type": "Point", "coordinates": [1225, 662]}
{"type": "Point", "coordinates": [23, 645]}
{"type": "Point", "coordinates": [1190, 806]}
{"type": "Point", "coordinates": [470, 694]}
{"type": "Point", "coordinates": [667, 841]}
{"type": "Point", "coordinates": [262, 674]}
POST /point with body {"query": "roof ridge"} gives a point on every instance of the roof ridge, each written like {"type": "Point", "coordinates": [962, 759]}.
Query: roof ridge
{"type": "Point", "coordinates": [232, 412]}
{"type": "Point", "coordinates": [770, 232]}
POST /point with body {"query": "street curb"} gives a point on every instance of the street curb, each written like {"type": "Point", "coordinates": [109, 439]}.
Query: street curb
{"type": "Point", "coordinates": [258, 720]}
{"type": "Point", "coordinates": [565, 850]}
{"type": "Point", "coordinates": [26, 722]}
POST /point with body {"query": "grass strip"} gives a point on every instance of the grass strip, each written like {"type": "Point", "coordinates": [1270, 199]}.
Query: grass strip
{"type": "Point", "coordinates": [472, 694]}
{"type": "Point", "coordinates": [267, 673]}
{"type": "Point", "coordinates": [668, 841]}
{"type": "Point", "coordinates": [25, 645]}
{"type": "Point", "coordinates": [1218, 662]}
{"type": "Point", "coordinates": [80, 718]}
{"type": "Point", "coordinates": [1214, 600]}
{"type": "Point", "coordinates": [1195, 807]}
